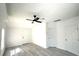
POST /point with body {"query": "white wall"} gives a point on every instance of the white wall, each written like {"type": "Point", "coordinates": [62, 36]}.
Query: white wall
{"type": "Point", "coordinates": [3, 19]}
{"type": "Point", "coordinates": [16, 29]}
{"type": "Point", "coordinates": [3, 13]}
{"type": "Point", "coordinates": [51, 34]}
{"type": "Point", "coordinates": [39, 34]}
{"type": "Point", "coordinates": [17, 36]}
{"type": "Point", "coordinates": [68, 35]}
{"type": "Point", "coordinates": [0, 43]}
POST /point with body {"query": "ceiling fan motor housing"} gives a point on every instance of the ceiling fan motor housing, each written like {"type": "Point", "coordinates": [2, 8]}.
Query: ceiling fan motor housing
{"type": "Point", "coordinates": [34, 16]}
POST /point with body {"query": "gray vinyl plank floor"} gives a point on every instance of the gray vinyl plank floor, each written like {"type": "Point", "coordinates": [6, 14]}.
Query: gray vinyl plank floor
{"type": "Point", "coordinates": [31, 49]}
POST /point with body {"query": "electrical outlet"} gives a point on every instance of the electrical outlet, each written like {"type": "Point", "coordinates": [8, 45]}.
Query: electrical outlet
{"type": "Point", "coordinates": [66, 39]}
{"type": "Point", "coordinates": [22, 37]}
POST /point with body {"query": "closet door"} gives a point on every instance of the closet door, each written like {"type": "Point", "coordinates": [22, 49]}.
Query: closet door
{"type": "Point", "coordinates": [70, 36]}
{"type": "Point", "coordinates": [51, 34]}
{"type": "Point", "coordinates": [71, 41]}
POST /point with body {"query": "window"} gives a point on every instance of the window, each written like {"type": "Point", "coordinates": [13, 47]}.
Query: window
{"type": "Point", "coordinates": [15, 51]}
{"type": "Point", "coordinates": [2, 38]}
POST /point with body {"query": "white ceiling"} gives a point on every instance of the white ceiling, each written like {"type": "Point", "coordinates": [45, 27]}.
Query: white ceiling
{"type": "Point", "coordinates": [48, 11]}
{"type": "Point", "coordinates": [18, 12]}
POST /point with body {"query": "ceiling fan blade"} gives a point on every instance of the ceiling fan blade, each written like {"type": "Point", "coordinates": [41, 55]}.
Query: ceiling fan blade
{"type": "Point", "coordinates": [57, 20]}
{"type": "Point", "coordinates": [36, 19]}
{"type": "Point", "coordinates": [39, 21]}
{"type": "Point", "coordinates": [29, 19]}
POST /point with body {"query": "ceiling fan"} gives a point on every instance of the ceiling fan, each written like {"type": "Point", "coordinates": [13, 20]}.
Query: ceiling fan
{"type": "Point", "coordinates": [36, 19]}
